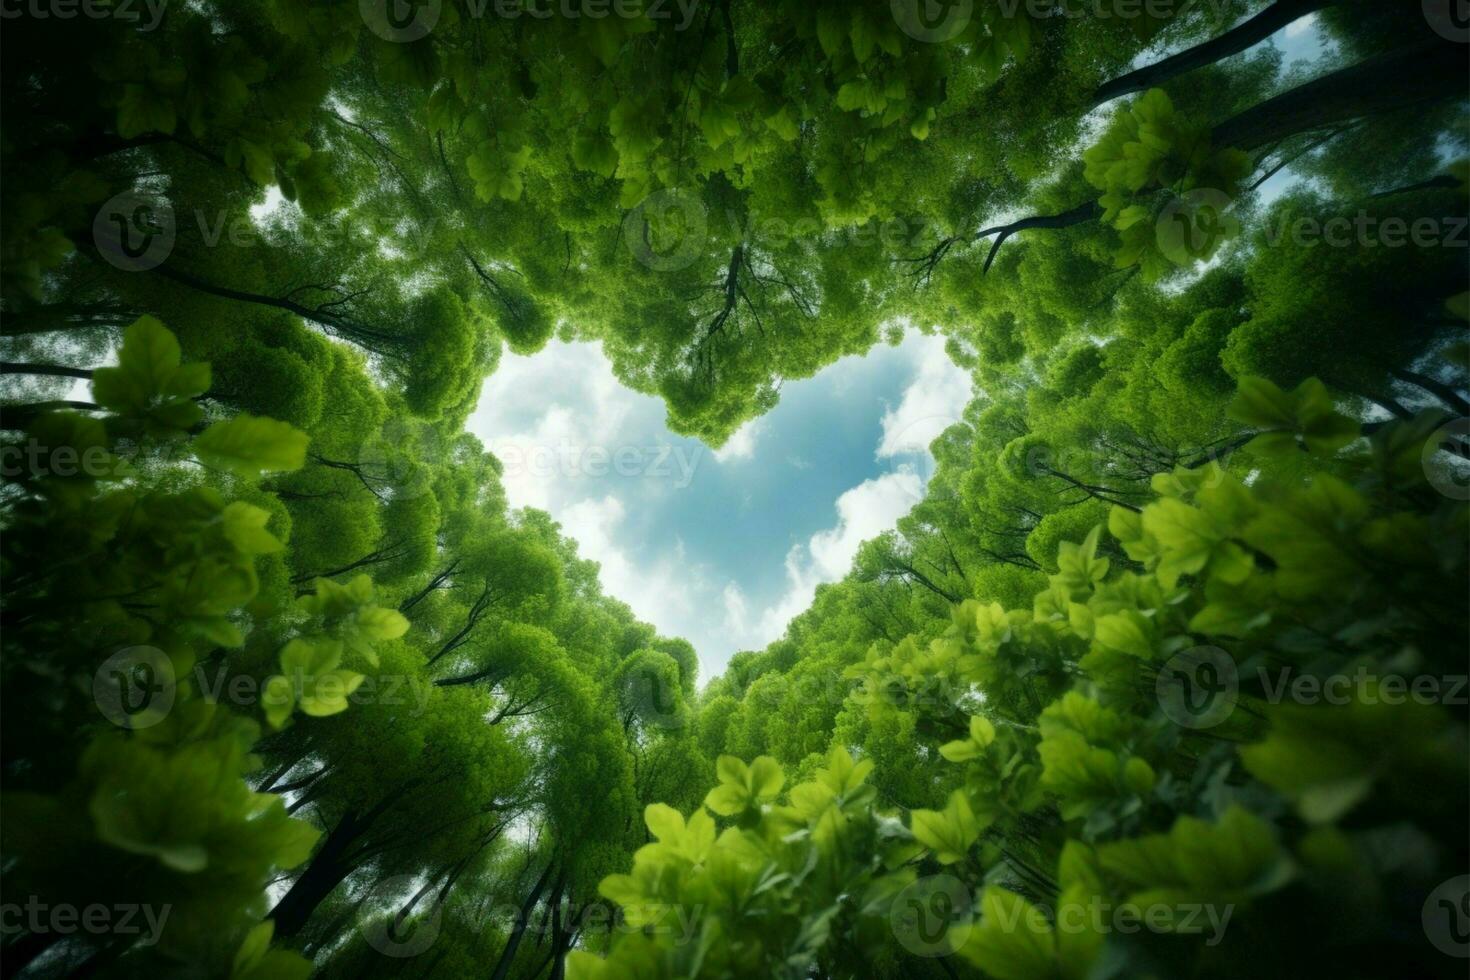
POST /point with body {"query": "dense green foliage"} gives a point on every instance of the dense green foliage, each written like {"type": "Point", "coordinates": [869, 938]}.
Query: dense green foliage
{"type": "Point", "coordinates": [282, 669]}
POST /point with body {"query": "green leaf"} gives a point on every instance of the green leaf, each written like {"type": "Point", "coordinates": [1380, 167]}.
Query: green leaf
{"type": "Point", "coordinates": [950, 832]}
{"type": "Point", "coordinates": [248, 446]}
{"type": "Point", "coordinates": [1260, 403]}
{"type": "Point", "coordinates": [1013, 940]}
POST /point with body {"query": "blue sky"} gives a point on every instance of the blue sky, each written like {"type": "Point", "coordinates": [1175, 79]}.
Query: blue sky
{"type": "Point", "coordinates": [721, 548]}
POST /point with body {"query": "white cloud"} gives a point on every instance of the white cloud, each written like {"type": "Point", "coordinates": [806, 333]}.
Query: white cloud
{"type": "Point", "coordinates": [740, 445]}
{"type": "Point", "coordinates": [737, 617]}
{"type": "Point", "coordinates": [670, 594]}
{"type": "Point", "coordinates": [1304, 25]}
{"type": "Point", "coordinates": [864, 512]}
{"type": "Point", "coordinates": [581, 405]}
{"type": "Point", "coordinates": [932, 402]}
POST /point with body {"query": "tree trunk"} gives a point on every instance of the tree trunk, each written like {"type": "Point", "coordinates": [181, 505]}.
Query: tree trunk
{"type": "Point", "coordinates": [325, 872]}
{"type": "Point", "coordinates": [518, 931]}
{"type": "Point", "coordinates": [1390, 82]}
{"type": "Point", "coordinates": [1233, 41]}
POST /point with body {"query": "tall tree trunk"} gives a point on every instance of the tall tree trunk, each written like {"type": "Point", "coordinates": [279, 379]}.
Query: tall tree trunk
{"type": "Point", "coordinates": [1389, 82]}
{"type": "Point", "coordinates": [518, 931]}
{"type": "Point", "coordinates": [325, 872]}
{"type": "Point", "coordinates": [1233, 41]}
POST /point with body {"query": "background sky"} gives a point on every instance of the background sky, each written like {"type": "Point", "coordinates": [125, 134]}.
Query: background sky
{"type": "Point", "coordinates": [721, 548]}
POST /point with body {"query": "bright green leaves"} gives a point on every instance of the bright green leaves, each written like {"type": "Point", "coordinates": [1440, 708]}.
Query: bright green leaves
{"type": "Point", "coordinates": [150, 383]}
{"type": "Point", "coordinates": [1127, 632]}
{"type": "Point", "coordinates": [842, 775]}
{"type": "Point", "coordinates": [1133, 152]}
{"type": "Point", "coordinates": [213, 573]}
{"type": "Point", "coordinates": [1292, 420]}
{"type": "Point", "coordinates": [244, 525]}
{"type": "Point", "coordinates": [690, 841]}
{"type": "Point", "coordinates": [310, 679]}
{"type": "Point", "coordinates": [1189, 538]}
{"type": "Point", "coordinates": [248, 446]}
{"type": "Point", "coordinates": [1197, 526]}
{"type": "Point", "coordinates": [1150, 146]}
{"type": "Point", "coordinates": [744, 788]}
{"type": "Point", "coordinates": [255, 960]}
{"type": "Point", "coordinates": [1084, 757]}
{"type": "Point", "coordinates": [951, 832]}
{"type": "Point", "coordinates": [348, 613]}
{"type": "Point", "coordinates": [497, 168]}
{"type": "Point", "coordinates": [1227, 862]}
{"type": "Point", "coordinates": [188, 809]}
{"type": "Point", "coordinates": [1014, 940]}
{"type": "Point", "coordinates": [982, 733]}
{"type": "Point", "coordinates": [1078, 567]}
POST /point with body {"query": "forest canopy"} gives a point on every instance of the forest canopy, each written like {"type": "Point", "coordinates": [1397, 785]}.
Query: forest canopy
{"type": "Point", "coordinates": [1164, 677]}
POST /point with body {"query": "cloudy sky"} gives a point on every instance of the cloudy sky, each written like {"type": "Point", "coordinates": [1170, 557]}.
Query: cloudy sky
{"type": "Point", "coordinates": [721, 548]}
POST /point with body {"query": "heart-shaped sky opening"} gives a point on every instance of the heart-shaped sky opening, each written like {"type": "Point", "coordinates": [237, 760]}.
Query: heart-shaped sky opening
{"type": "Point", "coordinates": [720, 547]}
